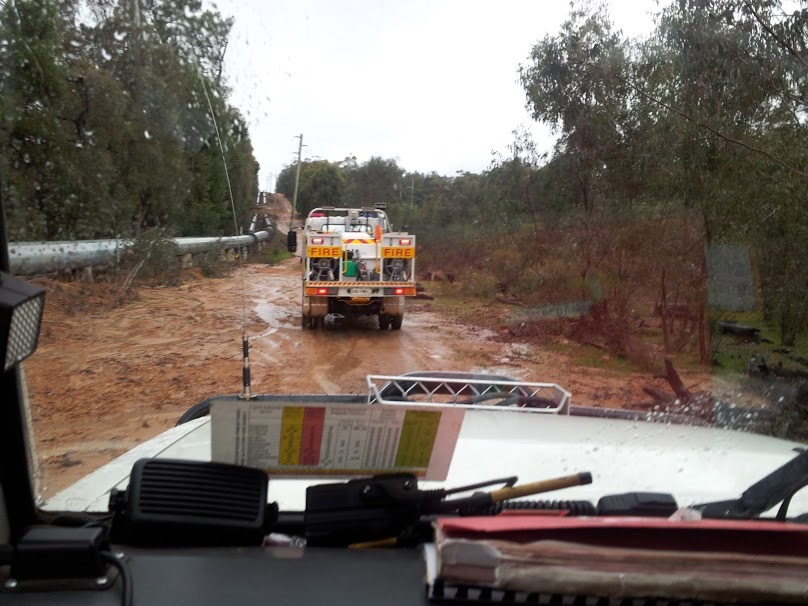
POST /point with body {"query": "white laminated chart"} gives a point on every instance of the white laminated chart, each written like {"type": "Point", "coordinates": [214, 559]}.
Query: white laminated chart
{"type": "Point", "coordinates": [297, 439]}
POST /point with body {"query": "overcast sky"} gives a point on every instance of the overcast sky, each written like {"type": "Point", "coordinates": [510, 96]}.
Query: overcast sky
{"type": "Point", "coordinates": [431, 83]}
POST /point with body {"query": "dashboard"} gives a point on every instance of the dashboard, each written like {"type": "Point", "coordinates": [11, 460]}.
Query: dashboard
{"type": "Point", "coordinates": [267, 575]}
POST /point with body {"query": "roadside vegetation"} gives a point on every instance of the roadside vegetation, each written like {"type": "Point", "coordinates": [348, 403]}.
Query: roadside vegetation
{"type": "Point", "coordinates": [670, 149]}
{"type": "Point", "coordinates": [105, 129]}
{"type": "Point", "coordinates": [275, 254]}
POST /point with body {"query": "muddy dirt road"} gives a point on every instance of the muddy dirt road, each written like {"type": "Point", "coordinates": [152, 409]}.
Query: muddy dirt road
{"type": "Point", "coordinates": [107, 378]}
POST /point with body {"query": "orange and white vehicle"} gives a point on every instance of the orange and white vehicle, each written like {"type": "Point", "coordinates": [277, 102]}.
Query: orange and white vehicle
{"type": "Point", "coordinates": [355, 265]}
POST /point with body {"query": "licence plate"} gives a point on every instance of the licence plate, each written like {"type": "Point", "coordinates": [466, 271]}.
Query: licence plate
{"type": "Point", "coordinates": [361, 292]}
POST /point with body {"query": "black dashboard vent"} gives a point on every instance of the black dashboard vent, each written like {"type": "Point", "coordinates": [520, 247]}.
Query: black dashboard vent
{"type": "Point", "coordinates": [190, 502]}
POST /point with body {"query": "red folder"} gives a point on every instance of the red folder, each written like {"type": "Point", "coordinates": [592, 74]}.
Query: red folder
{"type": "Point", "coordinates": [741, 536]}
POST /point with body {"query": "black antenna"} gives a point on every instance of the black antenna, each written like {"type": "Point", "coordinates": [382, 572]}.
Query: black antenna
{"type": "Point", "coordinates": [245, 345]}
{"type": "Point", "coordinates": [245, 373]}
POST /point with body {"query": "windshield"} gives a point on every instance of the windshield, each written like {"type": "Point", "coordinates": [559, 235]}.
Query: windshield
{"type": "Point", "coordinates": [607, 197]}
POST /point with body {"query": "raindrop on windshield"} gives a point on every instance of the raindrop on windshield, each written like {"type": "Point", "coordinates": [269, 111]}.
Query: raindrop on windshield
{"type": "Point", "coordinates": [146, 134]}
{"type": "Point", "coordinates": [106, 55]}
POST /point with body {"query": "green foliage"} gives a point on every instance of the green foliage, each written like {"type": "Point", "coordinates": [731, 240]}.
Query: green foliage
{"type": "Point", "coordinates": [569, 82]}
{"type": "Point", "coordinates": [105, 127]}
{"type": "Point", "coordinates": [153, 258]}
{"type": "Point", "coordinates": [273, 256]}
{"type": "Point", "coordinates": [478, 284]}
{"type": "Point", "coordinates": [213, 263]}
{"type": "Point", "coordinates": [376, 181]}
{"type": "Point", "coordinates": [322, 183]}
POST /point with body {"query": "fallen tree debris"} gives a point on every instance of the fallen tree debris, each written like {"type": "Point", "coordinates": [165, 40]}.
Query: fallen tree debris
{"type": "Point", "coordinates": [742, 330]}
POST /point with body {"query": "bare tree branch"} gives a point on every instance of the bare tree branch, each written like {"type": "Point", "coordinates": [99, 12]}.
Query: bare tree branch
{"type": "Point", "coordinates": [221, 62]}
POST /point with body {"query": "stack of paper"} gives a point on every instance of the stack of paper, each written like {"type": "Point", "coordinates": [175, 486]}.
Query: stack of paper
{"type": "Point", "coordinates": [718, 560]}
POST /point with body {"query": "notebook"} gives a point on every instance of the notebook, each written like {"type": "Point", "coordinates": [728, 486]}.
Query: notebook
{"type": "Point", "coordinates": [522, 558]}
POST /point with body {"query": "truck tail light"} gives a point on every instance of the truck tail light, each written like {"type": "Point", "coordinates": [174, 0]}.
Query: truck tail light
{"type": "Point", "coordinates": [405, 241]}
{"type": "Point", "coordinates": [317, 240]}
{"type": "Point", "coordinates": [399, 291]}
{"type": "Point", "coordinates": [322, 291]}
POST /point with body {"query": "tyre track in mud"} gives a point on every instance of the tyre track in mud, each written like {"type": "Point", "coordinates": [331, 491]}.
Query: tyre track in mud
{"type": "Point", "coordinates": [337, 358]}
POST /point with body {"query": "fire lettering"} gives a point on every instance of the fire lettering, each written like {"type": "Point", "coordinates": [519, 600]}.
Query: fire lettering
{"type": "Point", "coordinates": [397, 252]}
{"type": "Point", "coordinates": [324, 251]}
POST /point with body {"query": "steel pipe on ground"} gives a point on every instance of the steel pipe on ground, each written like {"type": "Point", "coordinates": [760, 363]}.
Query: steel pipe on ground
{"type": "Point", "coordinates": [33, 258]}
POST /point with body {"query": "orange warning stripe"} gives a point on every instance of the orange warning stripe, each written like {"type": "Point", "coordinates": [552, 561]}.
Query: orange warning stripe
{"type": "Point", "coordinates": [359, 241]}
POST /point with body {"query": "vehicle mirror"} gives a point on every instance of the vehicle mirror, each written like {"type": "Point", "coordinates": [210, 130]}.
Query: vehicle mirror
{"type": "Point", "coordinates": [21, 306]}
{"type": "Point", "coordinates": [291, 241]}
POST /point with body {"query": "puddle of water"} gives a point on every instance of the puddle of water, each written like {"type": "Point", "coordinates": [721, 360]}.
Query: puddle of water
{"type": "Point", "coordinates": [485, 334]}
{"type": "Point", "coordinates": [273, 315]}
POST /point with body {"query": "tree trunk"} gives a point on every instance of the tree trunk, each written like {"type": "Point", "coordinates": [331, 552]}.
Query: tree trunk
{"type": "Point", "coordinates": [788, 328]}
{"type": "Point", "coordinates": [663, 307]}
{"type": "Point", "coordinates": [705, 349]}
{"type": "Point", "coordinates": [704, 337]}
{"type": "Point", "coordinates": [675, 381]}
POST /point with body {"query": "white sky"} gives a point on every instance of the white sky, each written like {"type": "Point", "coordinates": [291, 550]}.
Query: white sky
{"type": "Point", "coordinates": [431, 83]}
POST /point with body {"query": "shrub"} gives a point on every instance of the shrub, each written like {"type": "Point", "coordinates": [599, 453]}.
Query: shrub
{"type": "Point", "coordinates": [153, 258]}
{"type": "Point", "coordinates": [213, 263]}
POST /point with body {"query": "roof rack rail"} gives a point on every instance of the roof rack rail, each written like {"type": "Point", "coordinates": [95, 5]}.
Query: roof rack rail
{"type": "Point", "coordinates": [478, 392]}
